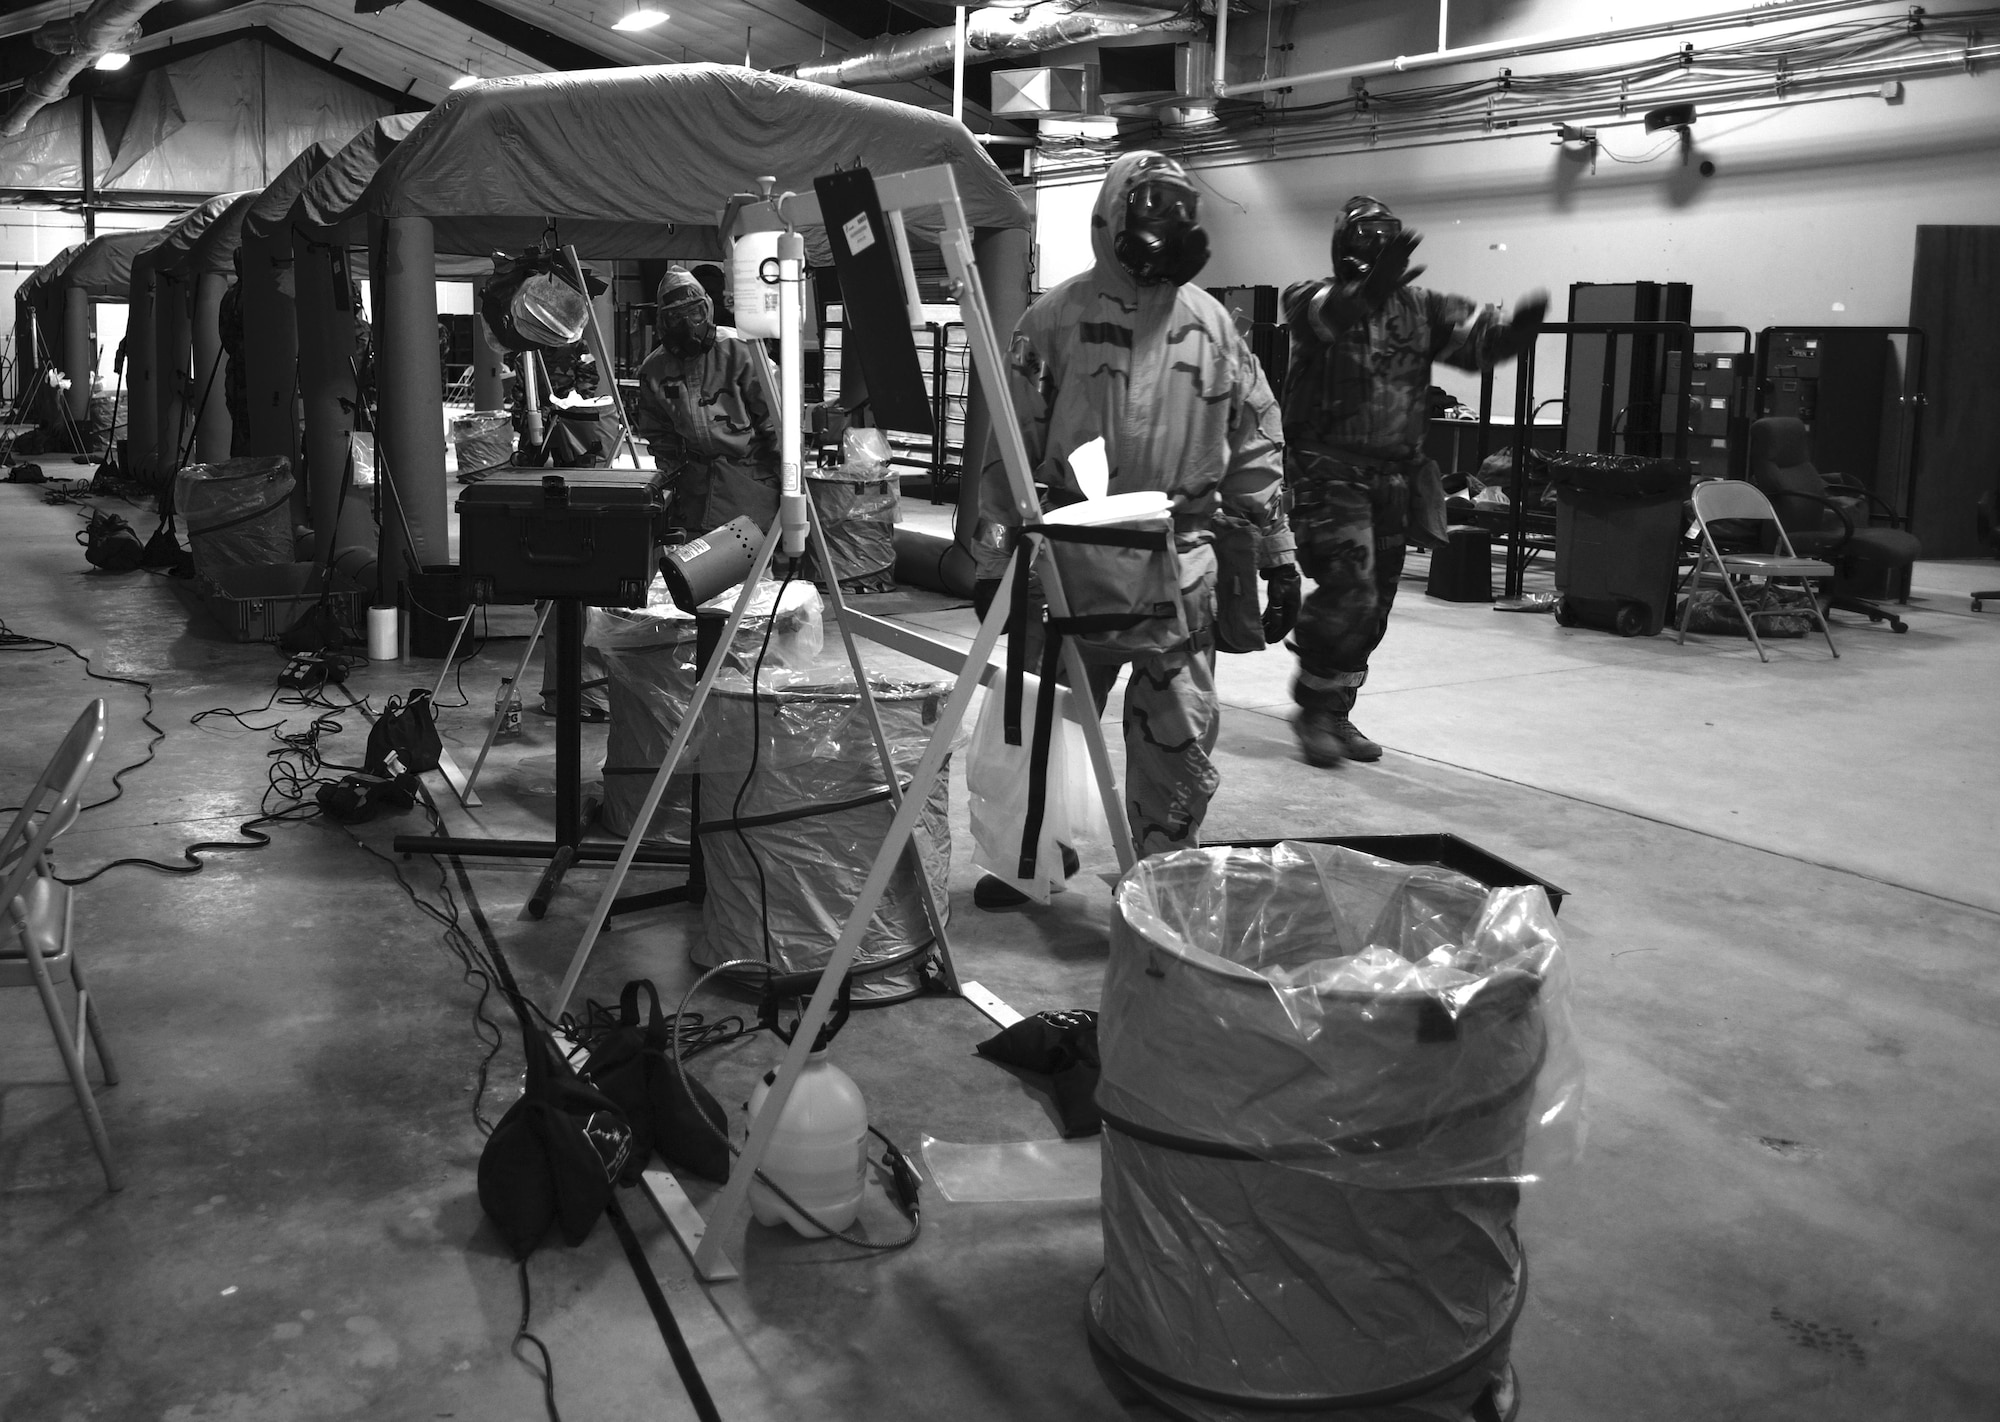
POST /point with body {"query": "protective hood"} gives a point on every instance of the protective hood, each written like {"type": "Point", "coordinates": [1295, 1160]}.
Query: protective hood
{"type": "Point", "coordinates": [685, 314]}
{"type": "Point", "coordinates": [1356, 209]}
{"type": "Point", "coordinates": [1107, 216]}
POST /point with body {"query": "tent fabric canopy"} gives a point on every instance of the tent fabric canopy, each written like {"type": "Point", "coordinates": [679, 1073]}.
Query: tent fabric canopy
{"type": "Point", "coordinates": [337, 184]}
{"type": "Point", "coordinates": [103, 265]}
{"type": "Point", "coordinates": [639, 162]}
{"type": "Point", "coordinates": [271, 212]}
{"type": "Point", "coordinates": [214, 250]}
{"type": "Point", "coordinates": [44, 276]}
{"type": "Point", "coordinates": [174, 251]}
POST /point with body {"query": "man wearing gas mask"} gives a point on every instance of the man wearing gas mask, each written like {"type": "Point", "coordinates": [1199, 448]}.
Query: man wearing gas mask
{"type": "Point", "coordinates": [1356, 406]}
{"type": "Point", "coordinates": [1130, 353]}
{"type": "Point", "coordinates": [707, 409]}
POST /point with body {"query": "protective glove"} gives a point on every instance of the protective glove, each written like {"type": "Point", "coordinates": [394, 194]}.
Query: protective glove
{"type": "Point", "coordinates": [1283, 592]}
{"type": "Point", "coordinates": [1392, 268]}
{"type": "Point", "coordinates": [983, 593]}
{"type": "Point", "coordinates": [1530, 311]}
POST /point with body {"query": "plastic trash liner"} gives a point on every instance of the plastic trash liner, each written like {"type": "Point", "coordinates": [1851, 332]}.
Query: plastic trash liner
{"type": "Point", "coordinates": [792, 849]}
{"type": "Point", "coordinates": [482, 440]}
{"type": "Point", "coordinates": [237, 513]}
{"type": "Point", "coordinates": [1324, 1078]}
{"type": "Point", "coordinates": [648, 656]}
{"type": "Point", "coordinates": [857, 512]}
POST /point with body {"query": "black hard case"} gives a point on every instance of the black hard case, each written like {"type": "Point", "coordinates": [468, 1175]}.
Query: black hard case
{"type": "Point", "coordinates": [588, 534]}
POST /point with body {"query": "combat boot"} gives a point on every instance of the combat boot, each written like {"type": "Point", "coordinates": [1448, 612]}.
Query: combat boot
{"type": "Point", "coordinates": [1319, 737]}
{"type": "Point", "coordinates": [1353, 744]}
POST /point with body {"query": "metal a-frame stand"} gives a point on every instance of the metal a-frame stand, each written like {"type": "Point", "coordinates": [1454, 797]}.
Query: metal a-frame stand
{"type": "Point", "coordinates": [924, 187]}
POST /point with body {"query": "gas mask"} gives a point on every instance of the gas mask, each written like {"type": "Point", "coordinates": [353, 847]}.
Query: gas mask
{"type": "Point", "coordinates": [1364, 229]}
{"type": "Point", "coordinates": [1162, 242]}
{"type": "Point", "coordinates": [686, 320]}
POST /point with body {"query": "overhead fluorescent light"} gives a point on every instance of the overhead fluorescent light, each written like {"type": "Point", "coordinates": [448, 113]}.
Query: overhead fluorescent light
{"type": "Point", "coordinates": [640, 19]}
{"type": "Point", "coordinates": [112, 59]}
{"type": "Point", "coordinates": [465, 81]}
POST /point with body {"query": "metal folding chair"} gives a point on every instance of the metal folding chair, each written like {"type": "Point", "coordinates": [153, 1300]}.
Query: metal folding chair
{"type": "Point", "coordinates": [1722, 499]}
{"type": "Point", "coordinates": [37, 946]}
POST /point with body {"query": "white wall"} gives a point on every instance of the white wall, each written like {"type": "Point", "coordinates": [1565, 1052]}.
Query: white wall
{"type": "Point", "coordinates": [1810, 216]}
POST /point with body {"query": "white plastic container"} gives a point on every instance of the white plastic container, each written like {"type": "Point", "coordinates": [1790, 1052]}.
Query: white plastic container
{"type": "Point", "coordinates": [755, 300]}
{"type": "Point", "coordinates": [818, 1154]}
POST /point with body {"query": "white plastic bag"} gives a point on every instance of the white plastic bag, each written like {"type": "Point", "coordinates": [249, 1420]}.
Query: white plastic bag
{"type": "Point", "coordinates": [996, 781]}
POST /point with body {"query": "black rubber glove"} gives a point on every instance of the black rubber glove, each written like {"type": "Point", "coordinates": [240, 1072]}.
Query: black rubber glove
{"type": "Point", "coordinates": [983, 593]}
{"type": "Point", "coordinates": [1283, 592]}
{"type": "Point", "coordinates": [1392, 268]}
{"type": "Point", "coordinates": [1530, 311]}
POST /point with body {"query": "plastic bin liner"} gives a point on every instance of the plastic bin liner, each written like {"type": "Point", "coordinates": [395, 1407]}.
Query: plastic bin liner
{"type": "Point", "coordinates": [237, 513]}
{"type": "Point", "coordinates": [857, 512]}
{"type": "Point", "coordinates": [1631, 476]}
{"type": "Point", "coordinates": [648, 656]}
{"type": "Point", "coordinates": [818, 776]}
{"type": "Point", "coordinates": [1321, 1071]}
{"type": "Point", "coordinates": [1380, 1023]}
{"type": "Point", "coordinates": [482, 440]}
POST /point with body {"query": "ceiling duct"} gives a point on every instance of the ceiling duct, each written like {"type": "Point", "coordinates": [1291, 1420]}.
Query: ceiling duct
{"type": "Point", "coordinates": [98, 30]}
{"type": "Point", "coordinates": [997, 34]}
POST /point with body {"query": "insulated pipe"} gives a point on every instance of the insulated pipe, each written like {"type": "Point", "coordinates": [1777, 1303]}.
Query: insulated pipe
{"type": "Point", "coordinates": [328, 395]}
{"type": "Point", "coordinates": [489, 362]}
{"type": "Point", "coordinates": [990, 34]}
{"type": "Point", "coordinates": [271, 358]}
{"type": "Point", "coordinates": [209, 409]}
{"type": "Point", "coordinates": [172, 334]}
{"type": "Point", "coordinates": [410, 401]}
{"type": "Point", "coordinates": [142, 415]}
{"type": "Point", "coordinates": [78, 360]}
{"type": "Point", "coordinates": [102, 27]}
{"type": "Point", "coordinates": [1764, 14]}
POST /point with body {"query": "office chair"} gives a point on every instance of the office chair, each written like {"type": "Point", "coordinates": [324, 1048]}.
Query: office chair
{"type": "Point", "coordinates": [1827, 517]}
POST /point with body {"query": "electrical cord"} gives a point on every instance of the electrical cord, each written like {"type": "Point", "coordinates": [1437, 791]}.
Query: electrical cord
{"type": "Point", "coordinates": [756, 746]}
{"type": "Point", "coordinates": [521, 1334]}
{"type": "Point", "coordinates": [12, 641]}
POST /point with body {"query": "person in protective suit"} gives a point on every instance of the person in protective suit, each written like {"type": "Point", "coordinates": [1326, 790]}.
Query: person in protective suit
{"type": "Point", "coordinates": [708, 409]}
{"type": "Point", "coordinates": [1130, 352]}
{"type": "Point", "coordinates": [1357, 395]}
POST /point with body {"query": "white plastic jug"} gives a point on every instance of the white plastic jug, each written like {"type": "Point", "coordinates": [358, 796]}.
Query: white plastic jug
{"type": "Point", "coordinates": [754, 299]}
{"type": "Point", "coordinates": [818, 1154]}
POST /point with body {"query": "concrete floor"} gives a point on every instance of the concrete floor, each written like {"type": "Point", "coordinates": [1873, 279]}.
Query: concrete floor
{"type": "Point", "coordinates": [1784, 926]}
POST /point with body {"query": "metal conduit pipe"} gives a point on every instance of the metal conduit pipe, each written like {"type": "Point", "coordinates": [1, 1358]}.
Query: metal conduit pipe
{"type": "Point", "coordinates": [1764, 14]}
{"type": "Point", "coordinates": [101, 28]}
{"type": "Point", "coordinates": [991, 34]}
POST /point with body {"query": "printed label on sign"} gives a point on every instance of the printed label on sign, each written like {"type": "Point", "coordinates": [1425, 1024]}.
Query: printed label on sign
{"type": "Point", "coordinates": [860, 233]}
{"type": "Point", "coordinates": [694, 549]}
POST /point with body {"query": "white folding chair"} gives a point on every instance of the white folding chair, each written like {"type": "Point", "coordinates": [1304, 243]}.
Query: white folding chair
{"type": "Point", "coordinates": [1735, 499]}
{"type": "Point", "coordinates": [36, 944]}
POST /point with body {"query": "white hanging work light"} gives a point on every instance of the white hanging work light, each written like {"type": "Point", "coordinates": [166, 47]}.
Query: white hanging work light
{"type": "Point", "coordinates": [640, 19]}
{"type": "Point", "coordinates": [112, 59]}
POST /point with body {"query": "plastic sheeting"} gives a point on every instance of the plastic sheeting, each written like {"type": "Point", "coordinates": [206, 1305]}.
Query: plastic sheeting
{"type": "Point", "coordinates": [237, 513]}
{"type": "Point", "coordinates": [231, 117]}
{"type": "Point", "coordinates": [1321, 1074]}
{"type": "Point", "coordinates": [817, 773]}
{"type": "Point", "coordinates": [49, 153]}
{"type": "Point", "coordinates": [1380, 1023]}
{"type": "Point", "coordinates": [490, 163]}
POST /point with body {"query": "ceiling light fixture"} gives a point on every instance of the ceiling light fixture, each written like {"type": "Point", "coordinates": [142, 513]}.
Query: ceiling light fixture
{"type": "Point", "coordinates": [640, 19]}
{"type": "Point", "coordinates": [112, 59]}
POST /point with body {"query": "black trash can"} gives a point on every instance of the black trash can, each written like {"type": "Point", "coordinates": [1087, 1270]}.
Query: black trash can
{"type": "Point", "coordinates": [1619, 519]}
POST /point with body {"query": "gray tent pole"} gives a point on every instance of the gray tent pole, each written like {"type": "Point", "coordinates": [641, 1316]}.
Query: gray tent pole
{"type": "Point", "coordinates": [271, 359]}
{"type": "Point", "coordinates": [77, 361]}
{"type": "Point", "coordinates": [410, 395]}
{"type": "Point", "coordinates": [326, 385]}
{"type": "Point", "coordinates": [213, 426]}
{"type": "Point", "coordinates": [489, 362]}
{"type": "Point", "coordinates": [173, 335]}
{"type": "Point", "coordinates": [142, 413]}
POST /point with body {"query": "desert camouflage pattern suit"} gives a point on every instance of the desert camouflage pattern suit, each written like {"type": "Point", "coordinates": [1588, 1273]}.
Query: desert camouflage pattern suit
{"type": "Point", "coordinates": [710, 421]}
{"type": "Point", "coordinates": [1357, 395]}
{"type": "Point", "coordinates": [1160, 373]}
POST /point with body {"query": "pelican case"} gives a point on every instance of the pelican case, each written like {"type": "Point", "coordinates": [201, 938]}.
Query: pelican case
{"type": "Point", "coordinates": [588, 534]}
